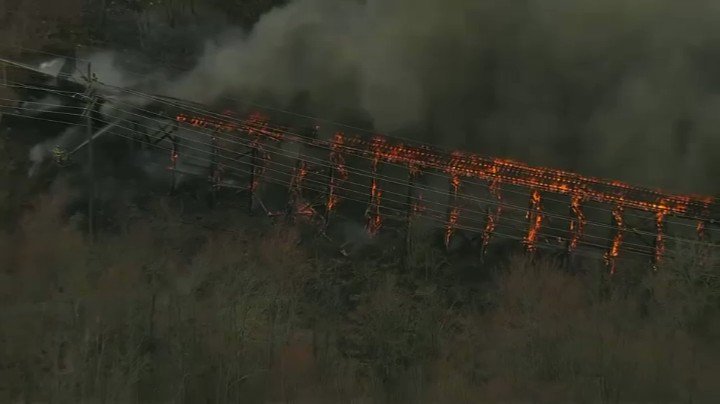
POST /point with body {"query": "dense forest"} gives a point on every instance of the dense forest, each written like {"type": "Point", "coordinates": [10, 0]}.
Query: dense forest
{"type": "Point", "coordinates": [167, 307]}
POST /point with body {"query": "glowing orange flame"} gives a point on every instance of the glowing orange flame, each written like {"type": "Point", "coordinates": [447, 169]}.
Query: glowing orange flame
{"type": "Point", "coordinates": [577, 225]}
{"type": "Point", "coordinates": [535, 217]}
{"type": "Point", "coordinates": [306, 210]}
{"type": "Point", "coordinates": [332, 202]}
{"type": "Point", "coordinates": [414, 170]}
{"type": "Point", "coordinates": [338, 170]}
{"type": "Point", "coordinates": [336, 157]}
{"type": "Point", "coordinates": [469, 165]}
{"type": "Point", "coordinates": [490, 226]}
{"type": "Point", "coordinates": [452, 222]}
{"type": "Point", "coordinates": [494, 170]}
{"type": "Point", "coordinates": [659, 236]}
{"type": "Point", "coordinates": [700, 230]}
{"type": "Point", "coordinates": [619, 224]}
{"type": "Point", "coordinates": [493, 215]}
{"type": "Point", "coordinates": [455, 182]}
{"type": "Point", "coordinates": [375, 221]}
{"type": "Point", "coordinates": [296, 183]}
{"type": "Point", "coordinates": [454, 212]}
{"type": "Point", "coordinates": [302, 172]}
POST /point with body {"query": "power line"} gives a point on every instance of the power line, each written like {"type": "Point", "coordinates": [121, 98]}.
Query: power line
{"type": "Point", "coordinates": [365, 173]}
{"type": "Point", "coordinates": [585, 179]}
{"type": "Point", "coordinates": [361, 172]}
{"type": "Point", "coordinates": [395, 201]}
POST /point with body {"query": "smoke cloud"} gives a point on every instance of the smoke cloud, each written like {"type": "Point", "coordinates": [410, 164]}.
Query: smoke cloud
{"type": "Point", "coordinates": [614, 88]}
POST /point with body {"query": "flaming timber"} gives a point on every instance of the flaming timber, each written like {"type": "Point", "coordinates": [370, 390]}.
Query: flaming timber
{"type": "Point", "coordinates": [494, 172]}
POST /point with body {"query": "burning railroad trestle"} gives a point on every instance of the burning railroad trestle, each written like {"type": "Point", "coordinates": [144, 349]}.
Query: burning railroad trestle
{"type": "Point", "coordinates": [342, 181]}
{"type": "Point", "coordinates": [397, 182]}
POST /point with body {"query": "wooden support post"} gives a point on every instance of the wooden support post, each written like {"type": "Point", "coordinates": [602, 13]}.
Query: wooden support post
{"type": "Point", "coordinates": [337, 172]}
{"type": "Point", "coordinates": [577, 225]}
{"type": "Point", "coordinates": [492, 217]}
{"type": "Point", "coordinates": [331, 198]}
{"type": "Point", "coordinates": [702, 237]}
{"type": "Point", "coordinates": [409, 210]}
{"type": "Point", "coordinates": [252, 185]}
{"type": "Point", "coordinates": [374, 218]}
{"type": "Point", "coordinates": [214, 169]}
{"type": "Point", "coordinates": [453, 211]}
{"type": "Point", "coordinates": [295, 190]}
{"type": "Point", "coordinates": [174, 155]}
{"type": "Point", "coordinates": [488, 229]}
{"type": "Point", "coordinates": [701, 230]}
{"type": "Point", "coordinates": [659, 250]}
{"type": "Point", "coordinates": [618, 225]}
{"type": "Point", "coordinates": [534, 217]}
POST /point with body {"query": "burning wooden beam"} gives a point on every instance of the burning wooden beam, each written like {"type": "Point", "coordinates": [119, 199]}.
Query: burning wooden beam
{"type": "Point", "coordinates": [618, 225]}
{"type": "Point", "coordinates": [453, 209]}
{"type": "Point", "coordinates": [373, 214]}
{"type": "Point", "coordinates": [659, 252]}
{"type": "Point", "coordinates": [534, 217]}
{"type": "Point", "coordinates": [338, 172]}
{"type": "Point", "coordinates": [577, 223]}
{"type": "Point", "coordinates": [492, 217]}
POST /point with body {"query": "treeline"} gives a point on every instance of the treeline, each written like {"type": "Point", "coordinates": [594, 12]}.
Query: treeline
{"type": "Point", "coordinates": [41, 24]}
{"type": "Point", "coordinates": [234, 309]}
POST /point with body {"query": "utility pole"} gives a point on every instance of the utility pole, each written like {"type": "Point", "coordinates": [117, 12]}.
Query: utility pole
{"type": "Point", "coordinates": [92, 100]}
{"type": "Point", "coordinates": [4, 81]}
{"type": "Point", "coordinates": [174, 154]}
{"type": "Point", "coordinates": [214, 169]}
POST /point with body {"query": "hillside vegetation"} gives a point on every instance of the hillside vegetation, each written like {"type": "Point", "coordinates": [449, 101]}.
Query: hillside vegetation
{"type": "Point", "coordinates": [166, 311]}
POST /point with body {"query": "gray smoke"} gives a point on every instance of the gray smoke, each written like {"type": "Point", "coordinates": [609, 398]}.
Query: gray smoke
{"type": "Point", "coordinates": [43, 151]}
{"type": "Point", "coordinates": [617, 88]}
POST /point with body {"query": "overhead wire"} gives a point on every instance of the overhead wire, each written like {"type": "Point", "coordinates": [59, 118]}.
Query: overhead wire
{"type": "Point", "coordinates": [460, 227]}
{"type": "Point", "coordinates": [145, 95]}
{"type": "Point", "coordinates": [228, 119]}
{"type": "Point", "coordinates": [586, 179]}
{"type": "Point", "coordinates": [436, 211]}
{"type": "Point", "coordinates": [506, 205]}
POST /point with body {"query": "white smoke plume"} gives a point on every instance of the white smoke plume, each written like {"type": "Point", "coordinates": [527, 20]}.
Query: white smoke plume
{"type": "Point", "coordinates": [43, 151]}
{"type": "Point", "coordinates": [613, 88]}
